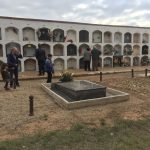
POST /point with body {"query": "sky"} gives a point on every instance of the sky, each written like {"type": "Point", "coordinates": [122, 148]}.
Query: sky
{"type": "Point", "coordinates": [107, 12]}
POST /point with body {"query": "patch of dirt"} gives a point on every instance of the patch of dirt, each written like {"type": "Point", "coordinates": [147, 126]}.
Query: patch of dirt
{"type": "Point", "coordinates": [48, 116]}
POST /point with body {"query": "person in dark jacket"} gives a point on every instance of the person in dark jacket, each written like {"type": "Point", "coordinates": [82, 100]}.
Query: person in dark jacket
{"type": "Point", "coordinates": [95, 58]}
{"type": "Point", "coordinates": [87, 59]}
{"type": "Point", "coordinates": [41, 57]}
{"type": "Point", "coordinates": [49, 68]}
{"type": "Point", "coordinates": [13, 61]}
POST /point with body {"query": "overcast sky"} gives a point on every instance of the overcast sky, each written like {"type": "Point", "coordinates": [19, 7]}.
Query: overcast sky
{"type": "Point", "coordinates": [109, 12]}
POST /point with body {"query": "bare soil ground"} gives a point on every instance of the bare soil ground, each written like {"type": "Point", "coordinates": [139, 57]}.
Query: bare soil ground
{"type": "Point", "coordinates": [48, 116]}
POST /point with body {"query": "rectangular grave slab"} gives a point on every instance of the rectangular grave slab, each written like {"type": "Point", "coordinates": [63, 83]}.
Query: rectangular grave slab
{"type": "Point", "coordinates": [79, 90]}
{"type": "Point", "coordinates": [112, 96]}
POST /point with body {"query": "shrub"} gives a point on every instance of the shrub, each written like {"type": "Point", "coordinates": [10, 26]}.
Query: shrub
{"type": "Point", "coordinates": [66, 77]}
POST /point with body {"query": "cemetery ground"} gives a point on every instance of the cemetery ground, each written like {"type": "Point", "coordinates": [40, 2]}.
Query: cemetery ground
{"type": "Point", "coordinates": [116, 126]}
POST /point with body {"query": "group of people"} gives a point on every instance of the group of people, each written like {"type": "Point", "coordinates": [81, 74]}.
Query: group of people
{"type": "Point", "coordinates": [9, 70]}
{"type": "Point", "coordinates": [44, 63]}
{"type": "Point", "coordinates": [88, 55]}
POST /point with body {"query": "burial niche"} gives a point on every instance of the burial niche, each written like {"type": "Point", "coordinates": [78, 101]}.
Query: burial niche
{"type": "Point", "coordinates": [127, 37]}
{"type": "Point", "coordinates": [12, 34]}
{"type": "Point", "coordinates": [28, 34]}
{"type": "Point", "coordinates": [30, 65]}
{"type": "Point", "coordinates": [29, 50]}
{"type": "Point", "coordinates": [118, 37]}
{"type": "Point", "coordinates": [97, 36]}
{"type": "Point", "coordinates": [10, 45]}
{"type": "Point", "coordinates": [58, 50]}
{"type": "Point", "coordinates": [44, 34]}
{"type": "Point", "coordinates": [71, 63]}
{"type": "Point", "coordinates": [83, 36]}
{"type": "Point", "coordinates": [71, 50]}
{"type": "Point", "coordinates": [59, 64]}
{"type": "Point", "coordinates": [58, 35]}
{"type": "Point", "coordinates": [107, 37]}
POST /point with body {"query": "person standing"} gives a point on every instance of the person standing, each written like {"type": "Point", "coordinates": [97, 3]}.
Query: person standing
{"type": "Point", "coordinates": [87, 59]}
{"type": "Point", "coordinates": [49, 68]}
{"type": "Point", "coordinates": [13, 61]}
{"type": "Point", "coordinates": [5, 75]}
{"type": "Point", "coordinates": [95, 58]}
{"type": "Point", "coordinates": [41, 57]}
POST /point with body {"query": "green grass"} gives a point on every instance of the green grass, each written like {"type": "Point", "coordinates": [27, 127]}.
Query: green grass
{"type": "Point", "coordinates": [125, 135]}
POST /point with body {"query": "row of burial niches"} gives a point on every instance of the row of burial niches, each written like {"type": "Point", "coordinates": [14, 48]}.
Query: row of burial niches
{"type": "Point", "coordinates": [30, 64]}
{"type": "Point", "coordinates": [59, 49]}
{"type": "Point", "coordinates": [58, 35]}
